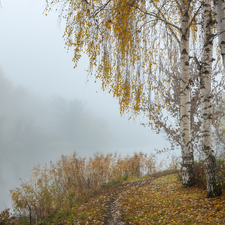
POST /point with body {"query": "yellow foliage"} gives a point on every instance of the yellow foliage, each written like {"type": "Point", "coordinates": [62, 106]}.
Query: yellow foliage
{"type": "Point", "coordinates": [123, 43]}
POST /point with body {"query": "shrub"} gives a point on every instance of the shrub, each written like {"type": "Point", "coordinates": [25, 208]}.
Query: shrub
{"type": "Point", "coordinates": [6, 218]}
{"type": "Point", "coordinates": [72, 179]}
{"type": "Point", "coordinates": [200, 177]}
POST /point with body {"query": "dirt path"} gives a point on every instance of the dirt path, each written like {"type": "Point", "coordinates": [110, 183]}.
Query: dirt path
{"type": "Point", "coordinates": [112, 204]}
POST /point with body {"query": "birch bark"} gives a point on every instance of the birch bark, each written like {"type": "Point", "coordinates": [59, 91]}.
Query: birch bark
{"type": "Point", "coordinates": [213, 187]}
{"type": "Point", "coordinates": [186, 145]}
{"type": "Point", "coordinates": [220, 23]}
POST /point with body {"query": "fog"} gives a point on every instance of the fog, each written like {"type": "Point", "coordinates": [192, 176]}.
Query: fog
{"type": "Point", "coordinates": [46, 107]}
{"type": "Point", "coordinates": [34, 130]}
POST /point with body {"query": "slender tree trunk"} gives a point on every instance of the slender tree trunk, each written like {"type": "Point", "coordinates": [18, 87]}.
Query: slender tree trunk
{"type": "Point", "coordinates": [187, 151]}
{"type": "Point", "coordinates": [213, 187]}
{"type": "Point", "coordinates": [220, 23]}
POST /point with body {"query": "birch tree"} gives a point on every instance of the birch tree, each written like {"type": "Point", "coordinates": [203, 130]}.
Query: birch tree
{"type": "Point", "coordinates": [205, 72]}
{"type": "Point", "coordinates": [167, 122]}
{"type": "Point", "coordinates": [220, 120]}
{"type": "Point", "coordinates": [213, 186]}
{"type": "Point", "coordinates": [124, 40]}
{"type": "Point", "coordinates": [220, 24]}
{"type": "Point", "coordinates": [185, 129]}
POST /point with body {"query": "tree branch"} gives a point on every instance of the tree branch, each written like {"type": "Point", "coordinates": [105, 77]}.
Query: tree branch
{"type": "Point", "coordinates": [197, 62]}
{"type": "Point", "coordinates": [87, 2]}
{"type": "Point", "coordinates": [168, 24]}
{"type": "Point", "coordinates": [101, 8]}
{"type": "Point", "coordinates": [196, 13]}
{"type": "Point", "coordinates": [179, 6]}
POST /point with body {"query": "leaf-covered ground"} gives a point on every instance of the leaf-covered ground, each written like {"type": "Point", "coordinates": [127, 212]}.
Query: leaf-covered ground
{"type": "Point", "coordinates": [162, 201]}
{"type": "Point", "coordinates": [166, 202]}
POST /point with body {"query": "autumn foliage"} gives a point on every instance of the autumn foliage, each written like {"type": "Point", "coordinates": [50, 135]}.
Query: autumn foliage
{"type": "Point", "coordinates": [72, 179]}
{"type": "Point", "coordinates": [6, 217]}
{"type": "Point", "coordinates": [78, 189]}
{"type": "Point", "coordinates": [125, 48]}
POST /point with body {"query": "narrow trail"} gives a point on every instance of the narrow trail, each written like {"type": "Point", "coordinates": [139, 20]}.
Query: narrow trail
{"type": "Point", "coordinates": [110, 198]}
{"type": "Point", "coordinates": [112, 206]}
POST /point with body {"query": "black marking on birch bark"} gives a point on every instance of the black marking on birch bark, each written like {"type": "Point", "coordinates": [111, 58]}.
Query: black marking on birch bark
{"type": "Point", "coordinates": [206, 5]}
{"type": "Point", "coordinates": [188, 143]}
{"type": "Point", "coordinates": [184, 52]}
{"type": "Point", "coordinates": [182, 93]}
{"type": "Point", "coordinates": [205, 132]}
{"type": "Point", "coordinates": [184, 116]}
{"type": "Point", "coordinates": [205, 135]}
{"type": "Point", "coordinates": [186, 15]}
{"type": "Point", "coordinates": [206, 147]}
{"type": "Point", "coordinates": [183, 81]}
{"type": "Point", "coordinates": [205, 72]}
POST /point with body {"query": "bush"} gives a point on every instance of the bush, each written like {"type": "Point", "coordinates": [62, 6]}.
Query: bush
{"type": "Point", "coordinates": [6, 218]}
{"type": "Point", "coordinates": [200, 177]}
{"type": "Point", "coordinates": [72, 179]}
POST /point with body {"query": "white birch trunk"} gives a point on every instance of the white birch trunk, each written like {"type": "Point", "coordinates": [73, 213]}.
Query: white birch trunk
{"type": "Point", "coordinates": [213, 189]}
{"type": "Point", "coordinates": [220, 24]}
{"type": "Point", "coordinates": [186, 145]}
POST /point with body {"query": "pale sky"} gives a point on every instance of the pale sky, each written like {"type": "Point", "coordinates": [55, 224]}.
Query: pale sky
{"type": "Point", "coordinates": [33, 57]}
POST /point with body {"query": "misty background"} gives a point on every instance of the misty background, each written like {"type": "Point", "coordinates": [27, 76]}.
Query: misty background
{"type": "Point", "coordinates": [47, 108]}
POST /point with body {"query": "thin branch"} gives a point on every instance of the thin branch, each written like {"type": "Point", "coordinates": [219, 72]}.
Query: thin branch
{"type": "Point", "coordinates": [87, 2]}
{"type": "Point", "coordinates": [101, 8]}
{"type": "Point", "coordinates": [218, 34]}
{"type": "Point", "coordinates": [179, 6]}
{"type": "Point", "coordinates": [189, 4]}
{"type": "Point", "coordinates": [196, 13]}
{"type": "Point", "coordinates": [168, 24]}
{"type": "Point", "coordinates": [159, 18]}
{"type": "Point", "coordinates": [164, 19]}
{"type": "Point", "coordinates": [197, 62]}
{"type": "Point", "coordinates": [150, 21]}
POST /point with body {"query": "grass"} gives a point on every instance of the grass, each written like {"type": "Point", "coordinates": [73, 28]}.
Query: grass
{"type": "Point", "coordinates": [163, 201]}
